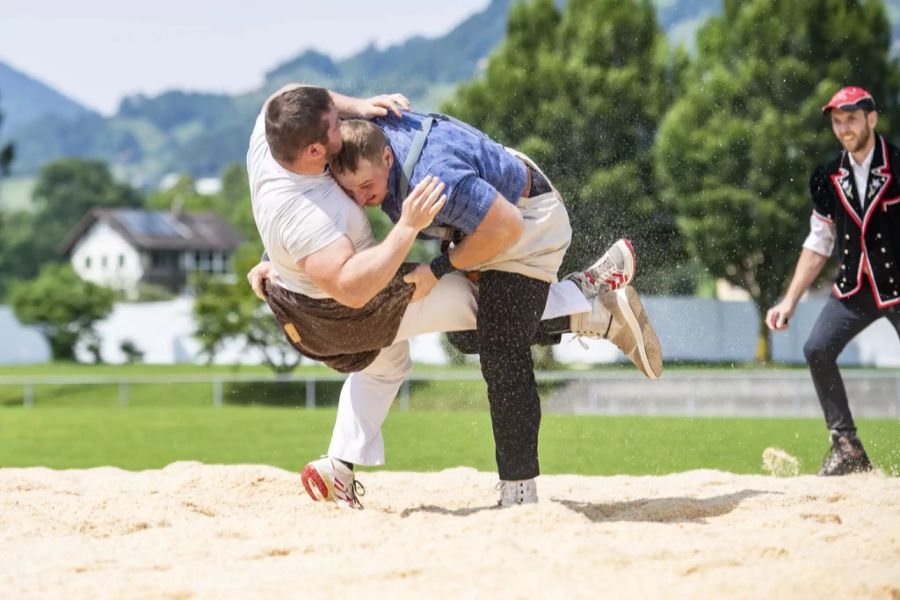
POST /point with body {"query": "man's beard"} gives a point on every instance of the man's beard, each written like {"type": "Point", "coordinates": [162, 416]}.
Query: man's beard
{"type": "Point", "coordinates": [862, 141]}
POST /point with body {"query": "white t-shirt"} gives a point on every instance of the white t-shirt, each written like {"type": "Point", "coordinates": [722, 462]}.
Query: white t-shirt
{"type": "Point", "coordinates": [299, 214]}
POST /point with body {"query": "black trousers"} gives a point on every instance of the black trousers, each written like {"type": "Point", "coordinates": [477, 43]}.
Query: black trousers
{"type": "Point", "coordinates": [839, 322]}
{"type": "Point", "coordinates": [509, 322]}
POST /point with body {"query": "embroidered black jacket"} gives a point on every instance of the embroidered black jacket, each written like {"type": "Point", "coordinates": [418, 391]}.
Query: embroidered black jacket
{"type": "Point", "coordinates": [867, 241]}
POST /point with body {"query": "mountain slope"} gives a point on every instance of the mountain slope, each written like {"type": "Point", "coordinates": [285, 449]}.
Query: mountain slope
{"type": "Point", "coordinates": [200, 133]}
{"type": "Point", "coordinates": [24, 100]}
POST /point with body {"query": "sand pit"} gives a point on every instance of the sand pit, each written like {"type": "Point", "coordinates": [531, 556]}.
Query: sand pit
{"type": "Point", "coordinates": [206, 531]}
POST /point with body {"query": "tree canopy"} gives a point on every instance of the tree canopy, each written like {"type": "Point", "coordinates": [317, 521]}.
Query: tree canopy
{"type": "Point", "coordinates": [736, 150]}
{"type": "Point", "coordinates": [63, 306]}
{"type": "Point", "coordinates": [581, 91]}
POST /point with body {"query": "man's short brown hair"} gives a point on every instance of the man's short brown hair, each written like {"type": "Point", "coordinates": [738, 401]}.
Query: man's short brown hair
{"type": "Point", "coordinates": [296, 119]}
{"type": "Point", "coordinates": [361, 139]}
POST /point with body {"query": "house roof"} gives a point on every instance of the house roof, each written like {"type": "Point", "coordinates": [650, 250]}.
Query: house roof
{"type": "Point", "coordinates": [160, 230]}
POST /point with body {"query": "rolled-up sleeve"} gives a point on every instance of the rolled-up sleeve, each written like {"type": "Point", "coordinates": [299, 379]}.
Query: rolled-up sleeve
{"type": "Point", "coordinates": [821, 235]}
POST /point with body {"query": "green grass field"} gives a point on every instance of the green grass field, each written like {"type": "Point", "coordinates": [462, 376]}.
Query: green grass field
{"type": "Point", "coordinates": [74, 426]}
{"type": "Point", "coordinates": [144, 437]}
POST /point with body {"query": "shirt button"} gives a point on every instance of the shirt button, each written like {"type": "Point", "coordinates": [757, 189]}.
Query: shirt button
{"type": "Point", "coordinates": [878, 236]}
{"type": "Point", "coordinates": [882, 250]}
{"type": "Point", "coordinates": [846, 236]}
{"type": "Point", "coordinates": [846, 251]}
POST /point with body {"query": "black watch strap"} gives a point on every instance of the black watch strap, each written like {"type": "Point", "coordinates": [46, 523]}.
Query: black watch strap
{"type": "Point", "coordinates": [441, 265]}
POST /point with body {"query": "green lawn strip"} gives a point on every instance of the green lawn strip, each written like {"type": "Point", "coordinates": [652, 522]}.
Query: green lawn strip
{"type": "Point", "coordinates": [151, 437]}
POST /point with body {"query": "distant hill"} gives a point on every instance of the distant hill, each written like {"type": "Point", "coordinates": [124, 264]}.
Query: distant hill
{"type": "Point", "coordinates": [199, 133]}
{"type": "Point", "coordinates": [24, 100]}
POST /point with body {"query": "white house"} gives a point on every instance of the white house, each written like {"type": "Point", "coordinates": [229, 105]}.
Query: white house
{"type": "Point", "coordinates": [120, 248]}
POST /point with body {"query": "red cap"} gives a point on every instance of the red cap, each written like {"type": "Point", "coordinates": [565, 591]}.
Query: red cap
{"type": "Point", "coordinates": [850, 99]}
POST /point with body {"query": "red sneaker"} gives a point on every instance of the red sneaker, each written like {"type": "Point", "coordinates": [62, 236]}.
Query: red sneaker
{"type": "Point", "coordinates": [329, 480]}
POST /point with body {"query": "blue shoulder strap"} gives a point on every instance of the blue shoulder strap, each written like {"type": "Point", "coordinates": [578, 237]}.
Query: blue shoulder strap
{"type": "Point", "coordinates": [415, 151]}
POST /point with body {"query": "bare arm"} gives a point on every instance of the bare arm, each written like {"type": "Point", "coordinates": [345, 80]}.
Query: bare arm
{"type": "Point", "coordinates": [354, 278]}
{"type": "Point", "coordinates": [501, 227]}
{"type": "Point", "coordinates": [808, 268]}
{"type": "Point", "coordinates": [347, 106]}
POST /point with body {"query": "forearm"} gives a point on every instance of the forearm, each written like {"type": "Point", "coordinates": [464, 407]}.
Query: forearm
{"type": "Point", "coordinates": [808, 268]}
{"type": "Point", "coordinates": [346, 106]}
{"type": "Point", "coordinates": [501, 227]}
{"type": "Point", "coordinates": [368, 272]}
{"type": "Point", "coordinates": [479, 247]}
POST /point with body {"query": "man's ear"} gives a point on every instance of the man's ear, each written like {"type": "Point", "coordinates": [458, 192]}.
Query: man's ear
{"type": "Point", "coordinates": [314, 151]}
{"type": "Point", "coordinates": [388, 157]}
{"type": "Point", "coordinates": [873, 119]}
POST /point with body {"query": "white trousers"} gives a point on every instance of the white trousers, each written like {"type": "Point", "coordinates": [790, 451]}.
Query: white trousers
{"type": "Point", "coordinates": [367, 395]}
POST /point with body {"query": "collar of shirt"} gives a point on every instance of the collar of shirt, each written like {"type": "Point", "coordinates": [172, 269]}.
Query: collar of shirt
{"type": "Point", "coordinates": [861, 174]}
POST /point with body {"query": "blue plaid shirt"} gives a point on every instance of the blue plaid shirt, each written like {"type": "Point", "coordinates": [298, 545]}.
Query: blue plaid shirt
{"type": "Point", "coordinates": [474, 168]}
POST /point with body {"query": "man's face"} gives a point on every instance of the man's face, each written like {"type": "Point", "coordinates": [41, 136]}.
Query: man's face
{"type": "Point", "coordinates": [368, 185]}
{"type": "Point", "coordinates": [853, 129]}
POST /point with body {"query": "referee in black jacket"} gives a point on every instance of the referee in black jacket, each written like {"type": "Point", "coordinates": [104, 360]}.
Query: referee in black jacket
{"type": "Point", "coordinates": [856, 210]}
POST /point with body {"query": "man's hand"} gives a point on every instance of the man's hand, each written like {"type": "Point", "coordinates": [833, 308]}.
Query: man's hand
{"type": "Point", "coordinates": [422, 204]}
{"type": "Point", "coordinates": [423, 279]}
{"type": "Point", "coordinates": [257, 276]}
{"type": "Point", "coordinates": [380, 106]}
{"type": "Point", "coordinates": [778, 317]}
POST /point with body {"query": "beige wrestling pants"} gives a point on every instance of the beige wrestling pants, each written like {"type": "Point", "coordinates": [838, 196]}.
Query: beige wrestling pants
{"type": "Point", "coordinates": [539, 252]}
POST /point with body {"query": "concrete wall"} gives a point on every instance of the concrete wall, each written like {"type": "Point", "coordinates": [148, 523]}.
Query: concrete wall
{"type": "Point", "coordinates": [689, 329]}
{"type": "Point", "coordinates": [739, 393]}
{"type": "Point", "coordinates": [20, 344]}
{"type": "Point", "coordinates": [698, 329]}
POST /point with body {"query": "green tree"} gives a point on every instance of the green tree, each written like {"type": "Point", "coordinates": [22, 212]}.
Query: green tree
{"type": "Point", "coordinates": [234, 200]}
{"type": "Point", "coordinates": [735, 152]}
{"type": "Point", "coordinates": [581, 91]}
{"type": "Point", "coordinates": [182, 196]}
{"type": "Point", "coordinates": [7, 153]}
{"type": "Point", "coordinates": [68, 188]}
{"type": "Point", "coordinates": [63, 306]}
{"type": "Point", "coordinates": [226, 309]}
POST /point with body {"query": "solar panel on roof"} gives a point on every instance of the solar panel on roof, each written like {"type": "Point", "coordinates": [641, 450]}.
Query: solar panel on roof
{"type": "Point", "coordinates": [150, 224]}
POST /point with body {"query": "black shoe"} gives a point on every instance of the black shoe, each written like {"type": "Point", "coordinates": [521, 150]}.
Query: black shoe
{"type": "Point", "coordinates": [846, 456]}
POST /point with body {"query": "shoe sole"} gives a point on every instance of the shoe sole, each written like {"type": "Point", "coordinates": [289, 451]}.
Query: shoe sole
{"type": "Point", "coordinates": [313, 480]}
{"type": "Point", "coordinates": [648, 345]}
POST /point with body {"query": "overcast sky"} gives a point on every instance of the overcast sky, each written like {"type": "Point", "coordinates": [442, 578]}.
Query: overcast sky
{"type": "Point", "coordinates": [96, 51]}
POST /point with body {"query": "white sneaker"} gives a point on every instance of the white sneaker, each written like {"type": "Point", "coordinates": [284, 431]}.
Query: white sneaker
{"type": "Point", "coordinates": [619, 316]}
{"type": "Point", "coordinates": [517, 492]}
{"type": "Point", "coordinates": [329, 480]}
{"type": "Point", "coordinates": [613, 271]}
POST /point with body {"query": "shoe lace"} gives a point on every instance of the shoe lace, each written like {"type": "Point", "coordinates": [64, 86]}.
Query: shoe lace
{"type": "Point", "coordinates": [579, 336]}
{"type": "Point", "coordinates": [605, 271]}
{"type": "Point", "coordinates": [357, 490]}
